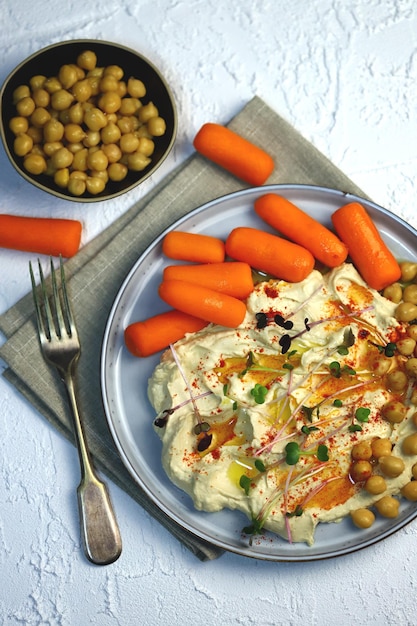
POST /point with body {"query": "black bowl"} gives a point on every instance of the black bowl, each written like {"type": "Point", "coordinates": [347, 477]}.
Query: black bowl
{"type": "Point", "coordinates": [47, 62]}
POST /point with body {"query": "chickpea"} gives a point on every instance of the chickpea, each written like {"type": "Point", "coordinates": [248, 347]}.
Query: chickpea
{"type": "Point", "coordinates": [94, 82]}
{"type": "Point", "coordinates": [61, 99]}
{"type": "Point", "coordinates": [391, 466]}
{"type": "Point", "coordinates": [74, 133]}
{"type": "Point", "coordinates": [67, 76]}
{"type": "Point", "coordinates": [411, 367]}
{"type": "Point", "coordinates": [388, 506]}
{"type": "Point", "coordinates": [130, 106]}
{"type": "Point", "coordinates": [126, 124]}
{"type": "Point", "coordinates": [39, 117]}
{"type": "Point", "coordinates": [406, 312]}
{"type": "Point", "coordinates": [25, 106]}
{"type": "Point", "coordinates": [128, 143]}
{"type": "Point", "coordinates": [137, 161]}
{"type": "Point", "coordinates": [52, 146]}
{"type": "Point", "coordinates": [21, 92]}
{"type": "Point", "coordinates": [414, 419]}
{"type": "Point", "coordinates": [110, 134]}
{"type": "Point", "coordinates": [414, 471]}
{"type": "Point", "coordinates": [95, 119]}
{"type": "Point", "coordinates": [34, 164]}
{"type": "Point", "coordinates": [397, 380]}
{"type": "Point", "coordinates": [79, 175]}
{"type": "Point", "coordinates": [122, 88]}
{"type": "Point", "coordinates": [114, 70]}
{"type": "Point", "coordinates": [410, 294]}
{"type": "Point", "coordinates": [362, 451]}
{"type": "Point", "coordinates": [409, 491]}
{"type": "Point", "coordinates": [360, 470]}
{"type": "Point", "coordinates": [112, 152]}
{"type": "Point", "coordinates": [53, 130]}
{"type": "Point", "coordinates": [22, 144]}
{"type": "Point", "coordinates": [82, 90]}
{"type": "Point", "coordinates": [18, 124]}
{"type": "Point", "coordinates": [394, 293]}
{"type": "Point", "coordinates": [110, 102]}
{"type": "Point", "coordinates": [147, 111]}
{"type": "Point", "coordinates": [408, 271]}
{"type": "Point", "coordinates": [412, 331]}
{"type": "Point", "coordinates": [108, 83]}
{"type": "Point", "coordinates": [363, 518]}
{"type": "Point", "coordinates": [87, 60]}
{"type": "Point", "coordinates": [136, 88]}
{"type": "Point", "coordinates": [37, 81]}
{"type": "Point", "coordinates": [413, 397]}
{"type": "Point", "coordinates": [409, 444]}
{"type": "Point", "coordinates": [61, 177]}
{"type": "Point", "coordinates": [97, 160]}
{"type": "Point", "coordinates": [406, 346]}
{"type": "Point", "coordinates": [156, 126]}
{"type": "Point", "coordinates": [100, 174]}
{"type": "Point", "coordinates": [41, 97]}
{"type": "Point", "coordinates": [376, 485]}
{"type": "Point", "coordinates": [92, 138]}
{"type": "Point", "coordinates": [80, 160]}
{"type": "Point", "coordinates": [62, 158]}
{"type": "Point", "coordinates": [117, 171]}
{"type": "Point", "coordinates": [381, 447]}
{"type": "Point", "coordinates": [52, 85]}
{"type": "Point", "coordinates": [95, 185]}
{"type": "Point", "coordinates": [36, 134]}
{"type": "Point", "coordinates": [76, 186]}
{"type": "Point", "coordinates": [394, 411]}
{"type": "Point", "coordinates": [147, 147]}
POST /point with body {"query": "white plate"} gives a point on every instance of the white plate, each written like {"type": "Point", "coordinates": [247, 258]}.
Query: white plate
{"type": "Point", "coordinates": [124, 379]}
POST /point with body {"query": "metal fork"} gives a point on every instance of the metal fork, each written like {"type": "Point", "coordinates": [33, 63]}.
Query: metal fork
{"type": "Point", "coordinates": [60, 346]}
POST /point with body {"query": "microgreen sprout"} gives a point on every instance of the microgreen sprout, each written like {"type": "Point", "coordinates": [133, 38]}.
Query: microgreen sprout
{"type": "Point", "coordinates": [389, 349]}
{"type": "Point", "coordinates": [298, 511]}
{"type": "Point", "coordinates": [294, 452]}
{"type": "Point", "coordinates": [362, 416]}
{"type": "Point", "coordinates": [259, 392]}
{"type": "Point", "coordinates": [306, 430]}
{"type": "Point", "coordinates": [245, 483]}
{"type": "Point", "coordinates": [337, 402]}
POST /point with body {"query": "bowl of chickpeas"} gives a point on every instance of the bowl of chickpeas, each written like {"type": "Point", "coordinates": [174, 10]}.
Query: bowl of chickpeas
{"type": "Point", "coordinates": [87, 120]}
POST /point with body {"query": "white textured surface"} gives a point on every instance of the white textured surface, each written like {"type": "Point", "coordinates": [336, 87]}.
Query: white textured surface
{"type": "Point", "coordinates": [345, 75]}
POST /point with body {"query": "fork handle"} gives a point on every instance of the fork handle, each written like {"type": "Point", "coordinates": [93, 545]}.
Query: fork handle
{"type": "Point", "coordinates": [99, 528]}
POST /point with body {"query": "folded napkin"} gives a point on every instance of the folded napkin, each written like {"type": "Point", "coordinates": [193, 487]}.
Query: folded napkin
{"type": "Point", "coordinates": [96, 273]}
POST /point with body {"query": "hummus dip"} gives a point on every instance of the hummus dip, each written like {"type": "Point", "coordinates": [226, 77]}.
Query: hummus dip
{"type": "Point", "coordinates": [263, 418]}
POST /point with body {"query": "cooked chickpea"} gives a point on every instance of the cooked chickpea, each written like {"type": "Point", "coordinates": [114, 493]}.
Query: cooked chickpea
{"type": "Point", "coordinates": [406, 346]}
{"type": "Point", "coordinates": [25, 106]}
{"type": "Point", "coordinates": [95, 119]}
{"type": "Point", "coordinates": [128, 143]}
{"type": "Point", "coordinates": [95, 185]}
{"type": "Point", "coordinates": [126, 124]}
{"type": "Point", "coordinates": [397, 380]}
{"type": "Point", "coordinates": [97, 160]}
{"type": "Point", "coordinates": [41, 97]}
{"type": "Point", "coordinates": [360, 471]}
{"type": "Point", "coordinates": [108, 83]}
{"type": "Point", "coordinates": [37, 81]}
{"type": "Point", "coordinates": [80, 160]}
{"type": "Point", "coordinates": [22, 144]}
{"type": "Point", "coordinates": [408, 271]}
{"type": "Point", "coordinates": [62, 158]}
{"type": "Point", "coordinates": [409, 491]}
{"type": "Point", "coordinates": [23, 91]}
{"type": "Point", "coordinates": [413, 397]}
{"type": "Point", "coordinates": [409, 444]}
{"type": "Point", "coordinates": [82, 90]}
{"type": "Point", "coordinates": [110, 134]}
{"type": "Point", "coordinates": [414, 471]}
{"type": "Point", "coordinates": [388, 506]}
{"type": "Point", "coordinates": [110, 102]}
{"type": "Point", "coordinates": [412, 331]}
{"type": "Point", "coordinates": [87, 60]}
{"type": "Point", "coordinates": [394, 411]}
{"type": "Point", "coordinates": [136, 88]}
{"type": "Point", "coordinates": [61, 99]}
{"type": "Point", "coordinates": [406, 312]}
{"type": "Point", "coordinates": [114, 70]}
{"type": "Point", "coordinates": [363, 518]}
{"type": "Point", "coordinates": [92, 138]}
{"type": "Point", "coordinates": [137, 161]}
{"type": "Point", "coordinates": [67, 76]}
{"type": "Point", "coordinates": [52, 85]}
{"type": "Point", "coordinates": [394, 293]}
{"type": "Point", "coordinates": [376, 485]}
{"type": "Point", "coordinates": [156, 126]}
{"type": "Point", "coordinates": [391, 466]}
{"type": "Point", "coordinates": [18, 124]}
{"type": "Point", "coordinates": [147, 111]}
{"type": "Point", "coordinates": [112, 152]}
{"type": "Point", "coordinates": [411, 367]}
{"type": "Point", "coordinates": [74, 133]}
{"type": "Point", "coordinates": [39, 117]}
{"type": "Point", "coordinates": [362, 451]}
{"type": "Point", "coordinates": [36, 134]}
{"type": "Point", "coordinates": [146, 146]}
{"type": "Point", "coordinates": [381, 447]}
{"type": "Point", "coordinates": [76, 186]}
{"type": "Point", "coordinates": [117, 171]}
{"type": "Point", "coordinates": [34, 164]}
{"type": "Point", "coordinates": [414, 419]}
{"type": "Point", "coordinates": [410, 294]}
{"type": "Point", "coordinates": [61, 177]}
{"type": "Point", "coordinates": [53, 130]}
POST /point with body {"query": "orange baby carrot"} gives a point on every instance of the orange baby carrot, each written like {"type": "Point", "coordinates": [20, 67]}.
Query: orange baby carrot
{"type": "Point", "coordinates": [202, 302]}
{"type": "Point", "coordinates": [233, 278]}
{"type": "Point", "coordinates": [156, 333]}
{"type": "Point", "coordinates": [294, 223]}
{"type": "Point", "coordinates": [270, 254]}
{"type": "Point", "coordinates": [235, 154]}
{"type": "Point", "coordinates": [374, 261]}
{"type": "Point", "coordinates": [193, 247]}
{"type": "Point", "coordinates": [40, 234]}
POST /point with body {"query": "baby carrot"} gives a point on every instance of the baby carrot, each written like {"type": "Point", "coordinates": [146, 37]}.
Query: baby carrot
{"type": "Point", "coordinates": [235, 154]}
{"type": "Point", "coordinates": [270, 254]}
{"type": "Point", "coordinates": [374, 261]}
{"type": "Point", "coordinates": [294, 223]}
{"type": "Point", "coordinates": [156, 333]}
{"type": "Point", "coordinates": [233, 278]}
{"type": "Point", "coordinates": [193, 247]}
{"type": "Point", "coordinates": [202, 302]}
{"type": "Point", "coordinates": [40, 234]}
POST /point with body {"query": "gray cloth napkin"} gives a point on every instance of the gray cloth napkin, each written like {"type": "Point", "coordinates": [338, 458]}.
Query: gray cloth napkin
{"type": "Point", "coordinates": [96, 273]}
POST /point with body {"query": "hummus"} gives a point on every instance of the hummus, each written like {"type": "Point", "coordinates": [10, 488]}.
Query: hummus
{"type": "Point", "coordinates": [263, 418]}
